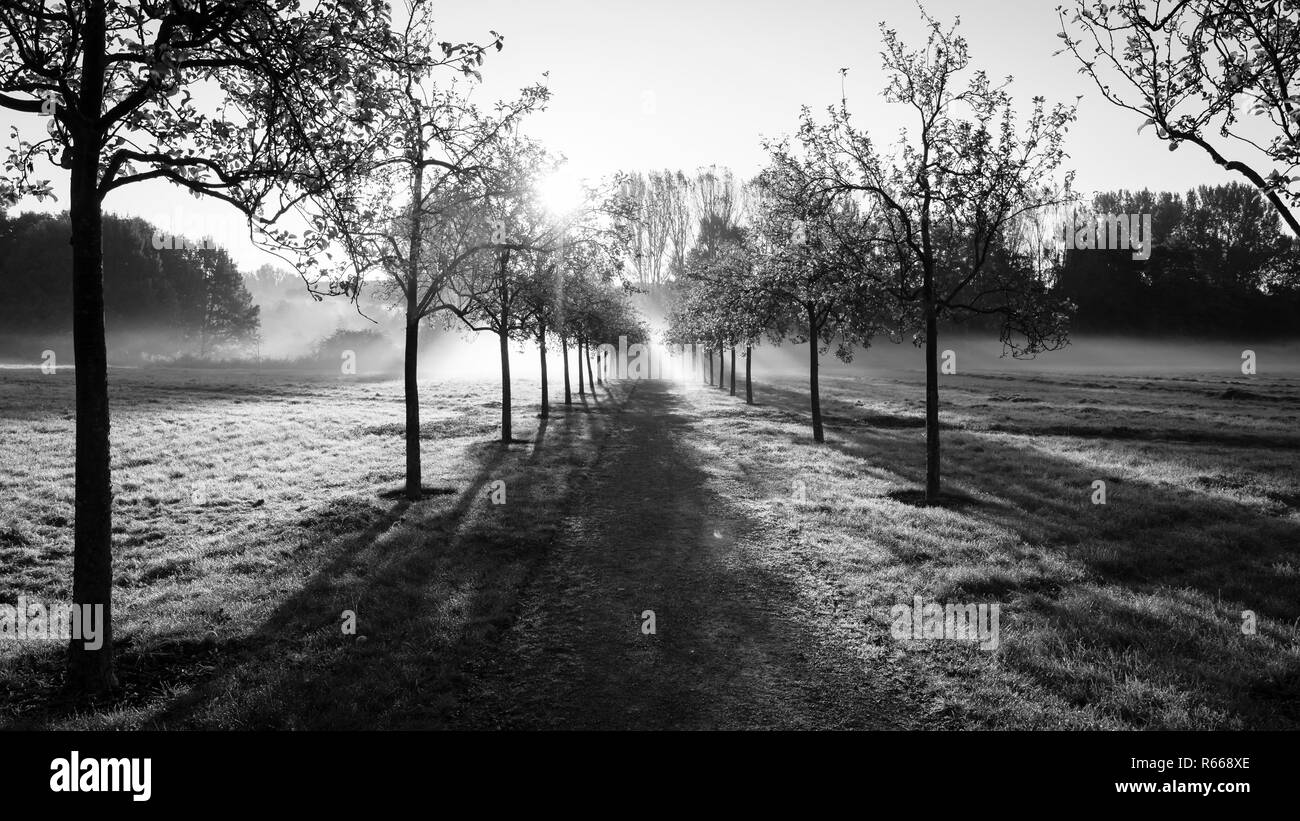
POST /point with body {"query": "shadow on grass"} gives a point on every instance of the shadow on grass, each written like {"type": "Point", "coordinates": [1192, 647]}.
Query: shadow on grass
{"type": "Point", "coordinates": [539, 439]}
{"type": "Point", "coordinates": [1178, 536]}
{"type": "Point", "coordinates": [429, 583]}
{"type": "Point", "coordinates": [951, 499]}
{"type": "Point", "coordinates": [1145, 591]}
{"type": "Point", "coordinates": [736, 645]}
{"type": "Point", "coordinates": [426, 491]}
{"type": "Point", "coordinates": [1127, 433]}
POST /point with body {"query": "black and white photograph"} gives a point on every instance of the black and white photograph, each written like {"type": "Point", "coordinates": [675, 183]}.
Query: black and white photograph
{"type": "Point", "coordinates": [843, 374]}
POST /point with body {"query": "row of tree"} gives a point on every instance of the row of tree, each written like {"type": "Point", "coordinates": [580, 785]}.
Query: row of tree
{"type": "Point", "coordinates": [286, 92]}
{"type": "Point", "coordinates": [346, 137]}
{"type": "Point", "coordinates": [846, 241]}
{"type": "Point", "coordinates": [443, 214]}
{"type": "Point", "coordinates": [1220, 265]}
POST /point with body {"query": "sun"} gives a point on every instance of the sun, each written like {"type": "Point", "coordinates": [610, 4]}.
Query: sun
{"type": "Point", "coordinates": [562, 192]}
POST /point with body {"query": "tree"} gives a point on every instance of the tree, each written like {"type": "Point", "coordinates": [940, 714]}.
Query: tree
{"type": "Point", "coordinates": [608, 316]}
{"type": "Point", "coordinates": [227, 310]}
{"type": "Point", "coordinates": [539, 296]}
{"type": "Point", "coordinates": [1235, 232]}
{"type": "Point", "coordinates": [717, 300]}
{"type": "Point", "coordinates": [112, 81]}
{"type": "Point", "coordinates": [686, 316]}
{"type": "Point", "coordinates": [491, 292]}
{"type": "Point", "coordinates": [597, 308]}
{"type": "Point", "coordinates": [750, 311]}
{"type": "Point", "coordinates": [809, 272]}
{"type": "Point", "coordinates": [947, 198]}
{"type": "Point", "coordinates": [408, 215]}
{"type": "Point", "coordinates": [660, 224]}
{"type": "Point", "coordinates": [574, 267]}
{"type": "Point", "coordinates": [716, 202]}
{"type": "Point", "coordinates": [674, 205]}
{"type": "Point", "coordinates": [583, 239]}
{"type": "Point", "coordinates": [719, 245]}
{"type": "Point", "coordinates": [1191, 68]}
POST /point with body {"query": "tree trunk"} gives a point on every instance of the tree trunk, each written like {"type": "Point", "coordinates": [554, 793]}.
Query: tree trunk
{"type": "Point", "coordinates": [414, 477]}
{"type": "Point", "coordinates": [581, 390]}
{"type": "Point", "coordinates": [504, 337]}
{"type": "Point", "coordinates": [818, 435]}
{"type": "Point", "coordinates": [931, 395]}
{"type": "Point", "coordinates": [600, 366]}
{"type": "Point", "coordinates": [410, 367]}
{"type": "Point", "coordinates": [90, 672]}
{"type": "Point", "coordinates": [564, 351]}
{"type": "Point", "coordinates": [733, 370]}
{"type": "Point", "coordinates": [411, 360]}
{"type": "Point", "coordinates": [722, 367]}
{"type": "Point", "coordinates": [546, 388]}
{"type": "Point", "coordinates": [505, 386]}
{"type": "Point", "coordinates": [590, 379]}
{"type": "Point", "coordinates": [749, 385]}
{"type": "Point", "coordinates": [708, 379]}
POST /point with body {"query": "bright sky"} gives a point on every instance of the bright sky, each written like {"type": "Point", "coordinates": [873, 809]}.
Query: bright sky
{"type": "Point", "coordinates": [685, 83]}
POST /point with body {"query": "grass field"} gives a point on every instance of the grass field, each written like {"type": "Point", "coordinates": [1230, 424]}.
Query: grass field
{"type": "Point", "coordinates": [252, 509]}
{"type": "Point", "coordinates": [1123, 615]}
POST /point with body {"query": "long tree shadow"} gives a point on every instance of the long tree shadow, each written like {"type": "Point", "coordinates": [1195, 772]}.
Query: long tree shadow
{"type": "Point", "coordinates": [1154, 579]}
{"type": "Point", "coordinates": [596, 405]}
{"type": "Point", "coordinates": [737, 643]}
{"type": "Point", "coordinates": [426, 583]}
{"type": "Point", "coordinates": [539, 439]}
{"type": "Point", "coordinates": [1187, 536]}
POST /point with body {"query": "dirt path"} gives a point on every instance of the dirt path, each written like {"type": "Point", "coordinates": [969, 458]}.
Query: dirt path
{"type": "Point", "coordinates": [735, 644]}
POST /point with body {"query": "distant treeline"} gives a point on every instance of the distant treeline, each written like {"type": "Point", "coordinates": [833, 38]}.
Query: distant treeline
{"type": "Point", "coordinates": [1221, 266]}
{"type": "Point", "coordinates": [189, 300]}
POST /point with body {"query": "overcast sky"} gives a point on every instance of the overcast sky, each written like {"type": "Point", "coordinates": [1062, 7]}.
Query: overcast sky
{"type": "Point", "coordinates": [685, 83]}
